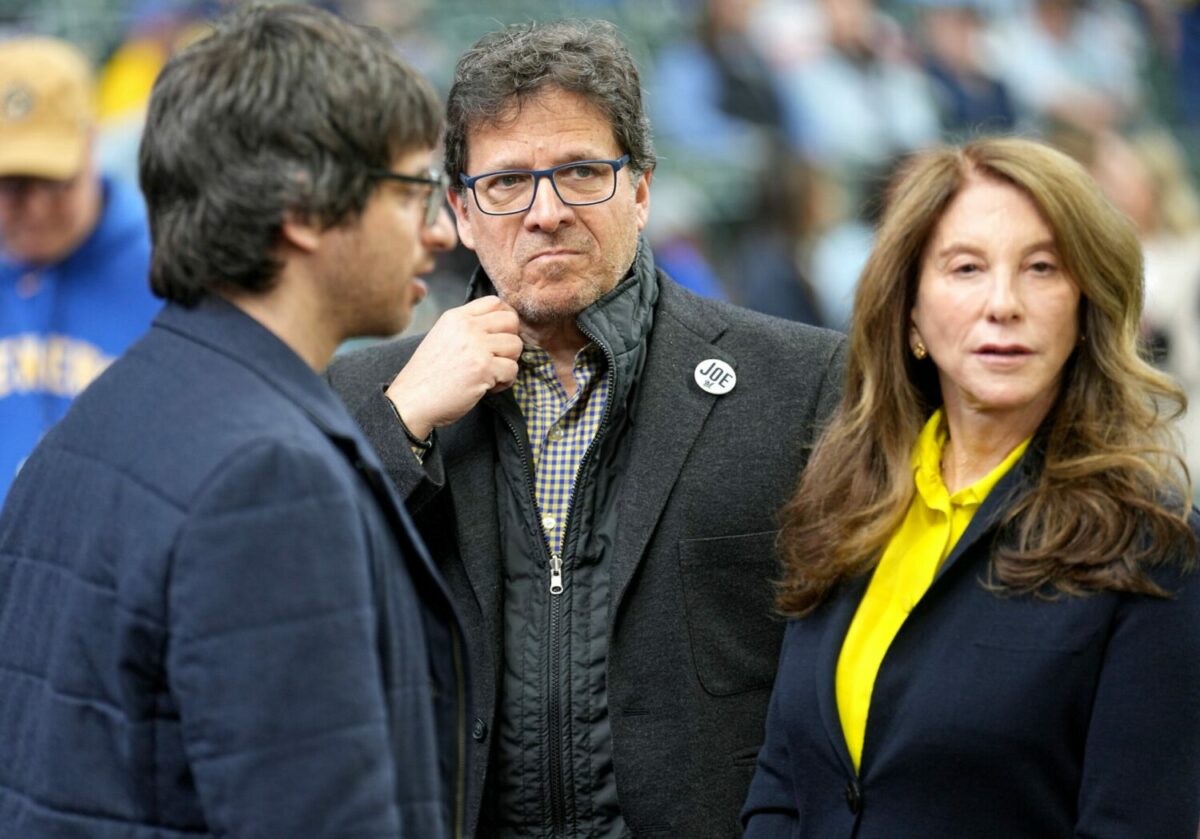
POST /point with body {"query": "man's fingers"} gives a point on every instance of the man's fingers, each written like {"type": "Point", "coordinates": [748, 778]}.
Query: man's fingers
{"type": "Point", "coordinates": [500, 320]}
{"type": "Point", "coordinates": [505, 345]}
{"type": "Point", "coordinates": [505, 370]}
{"type": "Point", "coordinates": [488, 303]}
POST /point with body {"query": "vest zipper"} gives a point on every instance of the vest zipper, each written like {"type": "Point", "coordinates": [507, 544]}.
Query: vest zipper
{"type": "Point", "coordinates": [553, 712]}
{"type": "Point", "coordinates": [556, 580]}
{"type": "Point", "coordinates": [558, 795]}
{"type": "Point", "coordinates": [558, 804]}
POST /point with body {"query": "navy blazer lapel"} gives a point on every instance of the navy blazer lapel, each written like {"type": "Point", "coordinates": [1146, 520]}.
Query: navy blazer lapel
{"type": "Point", "coordinates": [1015, 483]}
{"type": "Point", "coordinates": [843, 605]}
{"type": "Point", "coordinates": [667, 417]}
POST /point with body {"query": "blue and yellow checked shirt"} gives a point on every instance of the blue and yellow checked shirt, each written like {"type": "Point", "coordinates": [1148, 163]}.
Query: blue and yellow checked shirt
{"type": "Point", "coordinates": [560, 429]}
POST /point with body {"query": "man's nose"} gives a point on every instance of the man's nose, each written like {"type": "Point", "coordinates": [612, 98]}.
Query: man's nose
{"type": "Point", "coordinates": [547, 211]}
{"type": "Point", "coordinates": [441, 235]}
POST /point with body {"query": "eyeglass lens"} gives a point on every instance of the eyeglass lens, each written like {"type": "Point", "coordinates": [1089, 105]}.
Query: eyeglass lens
{"type": "Point", "coordinates": [584, 183]}
{"type": "Point", "coordinates": [435, 198]}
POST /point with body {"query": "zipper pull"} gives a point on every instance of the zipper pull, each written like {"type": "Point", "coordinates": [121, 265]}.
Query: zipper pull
{"type": "Point", "coordinates": [556, 585]}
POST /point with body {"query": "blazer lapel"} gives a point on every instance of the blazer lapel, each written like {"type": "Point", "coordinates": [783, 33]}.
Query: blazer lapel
{"type": "Point", "coordinates": [470, 478]}
{"type": "Point", "coordinates": [842, 608]}
{"type": "Point", "coordinates": [668, 415]}
{"type": "Point", "coordinates": [1004, 494]}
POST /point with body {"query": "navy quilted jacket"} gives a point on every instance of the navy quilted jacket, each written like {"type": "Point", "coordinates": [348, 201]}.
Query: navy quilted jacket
{"type": "Point", "coordinates": [214, 617]}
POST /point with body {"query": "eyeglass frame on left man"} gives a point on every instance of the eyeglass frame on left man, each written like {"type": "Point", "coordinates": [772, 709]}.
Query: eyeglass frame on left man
{"type": "Point", "coordinates": [437, 180]}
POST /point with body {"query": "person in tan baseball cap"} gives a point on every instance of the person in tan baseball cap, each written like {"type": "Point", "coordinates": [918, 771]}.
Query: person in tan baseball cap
{"type": "Point", "coordinates": [74, 246]}
{"type": "Point", "coordinates": [50, 191]}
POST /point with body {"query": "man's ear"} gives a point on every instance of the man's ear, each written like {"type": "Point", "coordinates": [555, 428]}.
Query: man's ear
{"type": "Point", "coordinates": [641, 198]}
{"type": "Point", "coordinates": [300, 232]}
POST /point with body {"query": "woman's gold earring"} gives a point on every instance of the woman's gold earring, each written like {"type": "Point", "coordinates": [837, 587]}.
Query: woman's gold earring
{"type": "Point", "coordinates": [919, 350]}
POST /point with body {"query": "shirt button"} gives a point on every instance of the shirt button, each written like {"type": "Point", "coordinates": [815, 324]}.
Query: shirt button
{"type": "Point", "coordinates": [549, 522]}
{"type": "Point", "coordinates": [555, 434]}
{"type": "Point", "coordinates": [479, 730]}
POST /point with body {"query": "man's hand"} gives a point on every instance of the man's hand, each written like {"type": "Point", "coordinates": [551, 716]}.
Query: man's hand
{"type": "Point", "coordinates": [471, 351]}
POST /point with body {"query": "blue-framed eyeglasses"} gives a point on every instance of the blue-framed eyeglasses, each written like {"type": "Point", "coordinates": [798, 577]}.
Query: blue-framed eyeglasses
{"type": "Point", "coordinates": [578, 183]}
{"type": "Point", "coordinates": [436, 180]}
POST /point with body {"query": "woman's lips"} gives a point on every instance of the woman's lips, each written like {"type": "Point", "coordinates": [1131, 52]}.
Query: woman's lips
{"type": "Point", "coordinates": [1003, 355]}
{"type": "Point", "coordinates": [1004, 349]}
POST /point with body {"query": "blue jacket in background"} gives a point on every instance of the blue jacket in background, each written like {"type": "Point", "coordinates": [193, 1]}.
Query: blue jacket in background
{"type": "Point", "coordinates": [62, 324]}
{"type": "Point", "coordinates": [215, 618]}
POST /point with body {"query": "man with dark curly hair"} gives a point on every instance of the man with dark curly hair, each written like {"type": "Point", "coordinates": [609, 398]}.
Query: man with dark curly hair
{"type": "Point", "coordinates": [215, 617]}
{"type": "Point", "coordinates": [609, 453]}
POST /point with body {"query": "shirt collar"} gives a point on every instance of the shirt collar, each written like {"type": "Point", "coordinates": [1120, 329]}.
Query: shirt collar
{"type": "Point", "coordinates": [927, 467]}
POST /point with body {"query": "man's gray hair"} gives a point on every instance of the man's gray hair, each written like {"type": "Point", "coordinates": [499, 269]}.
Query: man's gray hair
{"type": "Point", "coordinates": [508, 66]}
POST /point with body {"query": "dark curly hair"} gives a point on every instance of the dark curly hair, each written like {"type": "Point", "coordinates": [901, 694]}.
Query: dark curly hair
{"type": "Point", "coordinates": [282, 109]}
{"type": "Point", "coordinates": [581, 56]}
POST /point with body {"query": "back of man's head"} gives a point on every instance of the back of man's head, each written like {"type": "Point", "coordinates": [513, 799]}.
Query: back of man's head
{"type": "Point", "coordinates": [46, 109]}
{"type": "Point", "coordinates": [282, 109]}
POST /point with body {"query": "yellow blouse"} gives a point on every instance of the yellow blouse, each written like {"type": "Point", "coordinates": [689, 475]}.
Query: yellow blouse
{"type": "Point", "coordinates": [934, 522]}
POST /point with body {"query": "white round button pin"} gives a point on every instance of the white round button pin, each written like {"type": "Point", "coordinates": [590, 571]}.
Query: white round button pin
{"type": "Point", "coordinates": [715, 376]}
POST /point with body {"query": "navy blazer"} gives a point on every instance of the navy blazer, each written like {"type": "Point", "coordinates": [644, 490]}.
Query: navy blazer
{"type": "Point", "coordinates": [993, 715]}
{"type": "Point", "coordinates": [214, 617]}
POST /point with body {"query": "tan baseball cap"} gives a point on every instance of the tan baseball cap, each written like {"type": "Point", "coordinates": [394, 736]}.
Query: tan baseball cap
{"type": "Point", "coordinates": [45, 108]}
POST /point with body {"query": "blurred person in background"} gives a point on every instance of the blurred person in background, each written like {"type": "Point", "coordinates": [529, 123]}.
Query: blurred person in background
{"type": "Point", "coordinates": [1074, 61]}
{"type": "Point", "coordinates": [215, 616]}
{"type": "Point", "coordinates": [592, 452]}
{"type": "Point", "coordinates": [838, 250]}
{"type": "Point", "coordinates": [991, 555]}
{"type": "Point", "coordinates": [855, 99]}
{"type": "Point", "coordinates": [720, 120]}
{"type": "Point", "coordinates": [860, 98]}
{"type": "Point", "coordinates": [74, 246]}
{"type": "Point", "coordinates": [970, 98]}
{"type": "Point", "coordinates": [713, 94]}
{"type": "Point", "coordinates": [768, 255]}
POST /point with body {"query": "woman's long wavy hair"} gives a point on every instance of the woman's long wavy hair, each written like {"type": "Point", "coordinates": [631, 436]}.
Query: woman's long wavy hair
{"type": "Point", "coordinates": [1111, 496]}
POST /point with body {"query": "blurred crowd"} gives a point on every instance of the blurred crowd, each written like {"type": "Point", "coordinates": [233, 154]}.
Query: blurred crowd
{"type": "Point", "coordinates": [778, 122]}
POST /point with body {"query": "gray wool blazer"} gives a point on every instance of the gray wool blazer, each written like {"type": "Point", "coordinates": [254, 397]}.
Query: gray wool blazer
{"type": "Point", "coordinates": [692, 643]}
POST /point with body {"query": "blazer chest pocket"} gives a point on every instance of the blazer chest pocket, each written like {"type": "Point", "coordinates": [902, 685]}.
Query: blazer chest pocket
{"type": "Point", "coordinates": [1069, 638]}
{"type": "Point", "coordinates": [727, 595]}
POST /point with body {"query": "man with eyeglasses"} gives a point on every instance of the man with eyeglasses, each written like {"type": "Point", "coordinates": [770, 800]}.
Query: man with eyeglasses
{"type": "Point", "coordinates": [74, 246]}
{"type": "Point", "coordinates": [216, 618]}
{"type": "Point", "coordinates": [609, 454]}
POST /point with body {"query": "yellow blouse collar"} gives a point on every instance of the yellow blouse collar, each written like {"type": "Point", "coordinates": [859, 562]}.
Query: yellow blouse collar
{"type": "Point", "coordinates": [927, 467]}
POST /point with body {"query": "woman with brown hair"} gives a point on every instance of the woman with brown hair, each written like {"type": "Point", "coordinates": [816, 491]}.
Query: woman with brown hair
{"type": "Point", "coordinates": [994, 630]}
